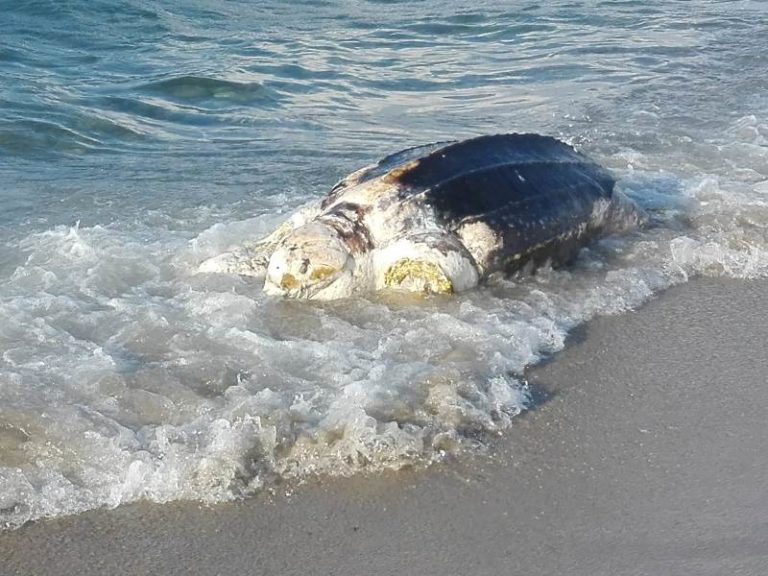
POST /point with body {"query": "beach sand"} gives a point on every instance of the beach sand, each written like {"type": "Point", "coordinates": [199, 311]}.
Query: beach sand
{"type": "Point", "coordinates": [646, 454]}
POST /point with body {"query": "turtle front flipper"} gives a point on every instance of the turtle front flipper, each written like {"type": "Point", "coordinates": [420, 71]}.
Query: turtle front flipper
{"type": "Point", "coordinates": [251, 258]}
{"type": "Point", "coordinates": [428, 263]}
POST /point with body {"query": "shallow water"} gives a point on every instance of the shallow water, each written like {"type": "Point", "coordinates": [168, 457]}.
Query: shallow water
{"type": "Point", "coordinates": [137, 140]}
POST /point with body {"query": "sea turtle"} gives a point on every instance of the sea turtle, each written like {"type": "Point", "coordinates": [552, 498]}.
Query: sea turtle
{"type": "Point", "coordinates": [438, 219]}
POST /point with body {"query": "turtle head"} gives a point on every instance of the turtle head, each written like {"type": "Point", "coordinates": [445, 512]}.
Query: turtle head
{"type": "Point", "coordinates": [311, 263]}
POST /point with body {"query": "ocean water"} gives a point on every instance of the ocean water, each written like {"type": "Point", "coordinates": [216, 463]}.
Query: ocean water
{"type": "Point", "coordinates": [139, 138]}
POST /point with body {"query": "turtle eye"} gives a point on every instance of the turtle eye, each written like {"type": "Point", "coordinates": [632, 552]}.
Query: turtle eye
{"type": "Point", "coordinates": [304, 266]}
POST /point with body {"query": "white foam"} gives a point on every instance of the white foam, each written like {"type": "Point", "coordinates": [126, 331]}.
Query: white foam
{"type": "Point", "coordinates": [123, 375]}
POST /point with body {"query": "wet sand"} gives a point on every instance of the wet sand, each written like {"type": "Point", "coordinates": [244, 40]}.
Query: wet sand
{"type": "Point", "coordinates": [647, 454]}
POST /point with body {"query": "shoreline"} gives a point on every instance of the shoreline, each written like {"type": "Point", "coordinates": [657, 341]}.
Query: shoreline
{"type": "Point", "coordinates": [645, 456]}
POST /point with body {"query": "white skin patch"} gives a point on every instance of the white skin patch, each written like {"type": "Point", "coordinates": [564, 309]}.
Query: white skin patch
{"type": "Point", "coordinates": [481, 241]}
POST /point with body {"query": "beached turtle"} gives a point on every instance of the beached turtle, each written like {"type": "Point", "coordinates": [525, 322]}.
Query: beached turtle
{"type": "Point", "coordinates": [437, 219]}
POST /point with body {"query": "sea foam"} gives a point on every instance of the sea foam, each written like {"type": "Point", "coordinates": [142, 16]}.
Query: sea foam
{"type": "Point", "coordinates": [126, 375]}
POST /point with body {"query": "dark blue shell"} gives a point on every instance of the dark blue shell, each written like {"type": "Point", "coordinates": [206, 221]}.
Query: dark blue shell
{"type": "Point", "coordinates": [529, 188]}
{"type": "Point", "coordinates": [532, 190]}
{"type": "Point", "coordinates": [381, 168]}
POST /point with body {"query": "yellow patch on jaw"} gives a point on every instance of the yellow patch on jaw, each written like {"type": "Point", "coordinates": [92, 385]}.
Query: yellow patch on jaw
{"type": "Point", "coordinates": [289, 282]}
{"type": "Point", "coordinates": [322, 272]}
{"type": "Point", "coordinates": [414, 273]}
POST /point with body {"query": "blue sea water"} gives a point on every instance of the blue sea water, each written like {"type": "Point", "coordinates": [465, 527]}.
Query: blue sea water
{"type": "Point", "coordinates": [138, 138]}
